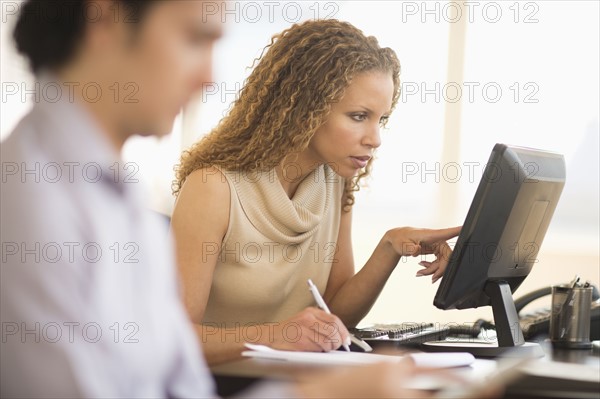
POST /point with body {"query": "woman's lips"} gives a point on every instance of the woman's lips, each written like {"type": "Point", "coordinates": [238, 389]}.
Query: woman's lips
{"type": "Point", "coordinates": [360, 162]}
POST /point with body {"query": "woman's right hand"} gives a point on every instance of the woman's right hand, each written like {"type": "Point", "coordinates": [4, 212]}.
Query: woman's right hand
{"type": "Point", "coordinates": [310, 330]}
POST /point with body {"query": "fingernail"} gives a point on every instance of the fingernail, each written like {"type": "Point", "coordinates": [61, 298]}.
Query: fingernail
{"type": "Point", "coordinates": [418, 275]}
{"type": "Point", "coordinates": [348, 341]}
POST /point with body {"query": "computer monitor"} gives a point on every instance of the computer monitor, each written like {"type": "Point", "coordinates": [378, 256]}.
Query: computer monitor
{"type": "Point", "coordinates": [500, 239]}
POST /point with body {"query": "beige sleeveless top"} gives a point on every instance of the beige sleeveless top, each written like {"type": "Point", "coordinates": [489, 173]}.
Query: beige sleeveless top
{"type": "Point", "coordinates": [273, 245]}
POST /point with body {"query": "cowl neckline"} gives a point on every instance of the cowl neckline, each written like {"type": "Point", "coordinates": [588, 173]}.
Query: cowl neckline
{"type": "Point", "coordinates": [274, 214]}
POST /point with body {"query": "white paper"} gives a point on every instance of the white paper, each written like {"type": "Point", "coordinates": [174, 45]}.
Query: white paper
{"type": "Point", "coordinates": [565, 371]}
{"type": "Point", "coordinates": [442, 360]}
{"type": "Point", "coordinates": [429, 360]}
{"type": "Point", "coordinates": [334, 357]}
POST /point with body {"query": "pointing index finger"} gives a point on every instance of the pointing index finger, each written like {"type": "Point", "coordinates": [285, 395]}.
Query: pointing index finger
{"type": "Point", "coordinates": [443, 234]}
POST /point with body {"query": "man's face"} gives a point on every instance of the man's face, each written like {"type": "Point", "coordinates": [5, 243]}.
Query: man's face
{"type": "Point", "coordinates": [167, 59]}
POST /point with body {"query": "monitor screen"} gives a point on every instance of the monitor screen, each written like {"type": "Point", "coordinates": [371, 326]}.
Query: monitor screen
{"type": "Point", "coordinates": [502, 234]}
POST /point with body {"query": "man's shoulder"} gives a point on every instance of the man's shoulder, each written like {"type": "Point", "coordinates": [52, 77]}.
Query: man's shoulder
{"type": "Point", "coordinates": [17, 145]}
{"type": "Point", "coordinates": [33, 195]}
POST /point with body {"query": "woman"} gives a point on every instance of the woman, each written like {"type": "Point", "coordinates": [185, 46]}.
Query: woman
{"type": "Point", "coordinates": [265, 199]}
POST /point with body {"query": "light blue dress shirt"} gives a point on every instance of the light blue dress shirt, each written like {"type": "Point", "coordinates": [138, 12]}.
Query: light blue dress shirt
{"type": "Point", "coordinates": [89, 295]}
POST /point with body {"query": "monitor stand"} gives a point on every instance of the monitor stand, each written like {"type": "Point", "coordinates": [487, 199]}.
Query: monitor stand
{"type": "Point", "coordinates": [510, 341]}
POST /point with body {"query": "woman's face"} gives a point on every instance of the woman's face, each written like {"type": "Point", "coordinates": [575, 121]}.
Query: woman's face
{"type": "Point", "coordinates": [351, 132]}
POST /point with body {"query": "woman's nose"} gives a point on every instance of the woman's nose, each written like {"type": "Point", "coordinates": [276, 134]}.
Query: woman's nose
{"type": "Point", "coordinates": [372, 138]}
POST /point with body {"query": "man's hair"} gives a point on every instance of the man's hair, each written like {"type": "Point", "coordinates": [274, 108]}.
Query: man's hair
{"type": "Point", "coordinates": [48, 32]}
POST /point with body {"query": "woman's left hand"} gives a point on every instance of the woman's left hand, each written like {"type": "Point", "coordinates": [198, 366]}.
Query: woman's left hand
{"type": "Point", "coordinates": [409, 241]}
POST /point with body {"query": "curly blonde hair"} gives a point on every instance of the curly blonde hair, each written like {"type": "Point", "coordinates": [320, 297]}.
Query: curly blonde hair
{"type": "Point", "coordinates": [288, 96]}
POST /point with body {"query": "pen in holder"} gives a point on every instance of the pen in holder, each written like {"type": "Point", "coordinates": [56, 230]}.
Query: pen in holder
{"type": "Point", "coordinates": [570, 318]}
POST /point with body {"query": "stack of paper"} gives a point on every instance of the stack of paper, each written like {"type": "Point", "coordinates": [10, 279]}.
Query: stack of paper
{"type": "Point", "coordinates": [429, 360]}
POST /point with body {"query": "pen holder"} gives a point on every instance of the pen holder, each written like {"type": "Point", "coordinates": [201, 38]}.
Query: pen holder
{"type": "Point", "coordinates": [570, 317]}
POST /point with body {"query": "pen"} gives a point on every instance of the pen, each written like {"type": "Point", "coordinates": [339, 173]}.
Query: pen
{"type": "Point", "coordinates": [321, 303]}
{"type": "Point", "coordinates": [567, 309]}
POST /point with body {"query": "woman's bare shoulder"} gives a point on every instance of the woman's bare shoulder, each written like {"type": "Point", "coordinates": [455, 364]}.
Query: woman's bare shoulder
{"type": "Point", "coordinates": [206, 195]}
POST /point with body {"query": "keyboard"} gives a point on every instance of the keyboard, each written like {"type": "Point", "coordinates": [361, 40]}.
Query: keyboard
{"type": "Point", "coordinates": [403, 334]}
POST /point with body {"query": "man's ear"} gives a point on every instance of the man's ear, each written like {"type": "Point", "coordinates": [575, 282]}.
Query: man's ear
{"type": "Point", "coordinates": [104, 23]}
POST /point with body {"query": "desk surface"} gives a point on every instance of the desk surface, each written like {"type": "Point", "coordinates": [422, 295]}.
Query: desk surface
{"type": "Point", "coordinates": [235, 376]}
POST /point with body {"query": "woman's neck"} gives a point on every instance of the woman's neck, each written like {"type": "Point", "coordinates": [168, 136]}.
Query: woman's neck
{"type": "Point", "coordinates": [292, 173]}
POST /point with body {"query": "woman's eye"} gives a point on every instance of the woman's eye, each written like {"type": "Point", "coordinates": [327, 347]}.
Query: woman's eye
{"type": "Point", "coordinates": [359, 117]}
{"type": "Point", "coordinates": [384, 120]}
